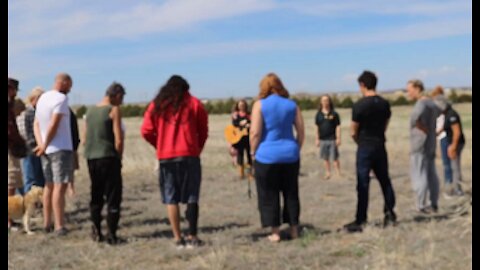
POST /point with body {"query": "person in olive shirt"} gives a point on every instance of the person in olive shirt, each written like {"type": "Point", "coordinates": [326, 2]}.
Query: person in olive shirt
{"type": "Point", "coordinates": [370, 117]}
{"type": "Point", "coordinates": [328, 134]}
{"type": "Point", "coordinates": [104, 142]}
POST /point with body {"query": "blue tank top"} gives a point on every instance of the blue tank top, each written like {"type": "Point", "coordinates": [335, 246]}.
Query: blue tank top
{"type": "Point", "coordinates": [278, 145]}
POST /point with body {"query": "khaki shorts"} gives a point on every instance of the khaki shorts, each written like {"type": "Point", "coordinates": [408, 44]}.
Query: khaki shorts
{"type": "Point", "coordinates": [14, 173]}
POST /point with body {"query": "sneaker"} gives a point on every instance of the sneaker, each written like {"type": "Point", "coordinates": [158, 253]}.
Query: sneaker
{"type": "Point", "coordinates": [14, 227]}
{"type": "Point", "coordinates": [390, 219]}
{"type": "Point", "coordinates": [180, 244]}
{"type": "Point", "coordinates": [61, 232]}
{"type": "Point", "coordinates": [194, 243]}
{"type": "Point", "coordinates": [354, 226]}
{"type": "Point", "coordinates": [458, 192]}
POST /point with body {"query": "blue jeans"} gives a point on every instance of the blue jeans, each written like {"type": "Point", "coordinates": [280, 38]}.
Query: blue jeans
{"type": "Point", "coordinates": [32, 173]}
{"type": "Point", "coordinates": [373, 157]}
{"type": "Point", "coordinates": [447, 168]}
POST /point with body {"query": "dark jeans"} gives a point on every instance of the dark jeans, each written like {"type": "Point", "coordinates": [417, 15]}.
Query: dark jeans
{"type": "Point", "coordinates": [271, 180]}
{"type": "Point", "coordinates": [372, 157]}
{"type": "Point", "coordinates": [106, 177]}
{"type": "Point", "coordinates": [446, 160]}
{"type": "Point", "coordinates": [243, 146]}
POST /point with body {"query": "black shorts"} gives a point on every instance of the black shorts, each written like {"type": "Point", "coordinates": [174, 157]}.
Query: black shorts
{"type": "Point", "coordinates": [180, 179]}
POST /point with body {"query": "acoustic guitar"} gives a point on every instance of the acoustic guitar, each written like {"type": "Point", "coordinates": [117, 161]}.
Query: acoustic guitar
{"type": "Point", "coordinates": [233, 134]}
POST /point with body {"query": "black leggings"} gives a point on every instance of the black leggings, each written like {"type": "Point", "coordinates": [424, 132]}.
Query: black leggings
{"type": "Point", "coordinates": [106, 177]}
{"type": "Point", "coordinates": [271, 180]}
{"type": "Point", "coordinates": [243, 146]}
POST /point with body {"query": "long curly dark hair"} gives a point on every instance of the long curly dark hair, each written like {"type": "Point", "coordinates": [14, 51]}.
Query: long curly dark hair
{"type": "Point", "coordinates": [170, 96]}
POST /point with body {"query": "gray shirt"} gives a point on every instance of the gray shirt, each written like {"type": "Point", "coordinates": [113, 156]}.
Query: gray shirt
{"type": "Point", "coordinates": [425, 112]}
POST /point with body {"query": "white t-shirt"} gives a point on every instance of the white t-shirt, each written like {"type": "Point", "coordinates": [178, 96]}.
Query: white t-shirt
{"type": "Point", "coordinates": [440, 123]}
{"type": "Point", "coordinates": [49, 103]}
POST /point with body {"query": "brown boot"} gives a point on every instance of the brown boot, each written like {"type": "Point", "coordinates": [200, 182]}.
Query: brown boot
{"type": "Point", "coordinates": [241, 171]}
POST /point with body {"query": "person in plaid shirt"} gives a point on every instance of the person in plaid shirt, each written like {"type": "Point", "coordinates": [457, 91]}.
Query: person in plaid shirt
{"type": "Point", "coordinates": [31, 164]}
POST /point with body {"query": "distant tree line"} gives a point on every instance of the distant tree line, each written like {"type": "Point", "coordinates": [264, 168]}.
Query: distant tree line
{"type": "Point", "coordinates": [305, 103]}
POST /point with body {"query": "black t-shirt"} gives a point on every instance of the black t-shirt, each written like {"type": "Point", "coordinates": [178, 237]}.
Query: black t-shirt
{"type": "Point", "coordinates": [452, 117]}
{"type": "Point", "coordinates": [237, 118]}
{"type": "Point", "coordinates": [372, 114]}
{"type": "Point", "coordinates": [327, 124]}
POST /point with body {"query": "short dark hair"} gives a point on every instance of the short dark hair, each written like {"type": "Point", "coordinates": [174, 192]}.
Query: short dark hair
{"type": "Point", "coordinates": [115, 89]}
{"type": "Point", "coordinates": [13, 83]}
{"type": "Point", "coordinates": [369, 79]}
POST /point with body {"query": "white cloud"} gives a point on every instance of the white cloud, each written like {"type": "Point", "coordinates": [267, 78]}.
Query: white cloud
{"type": "Point", "coordinates": [52, 24]}
{"type": "Point", "coordinates": [443, 71]}
{"type": "Point", "coordinates": [380, 7]}
{"type": "Point", "coordinates": [350, 78]}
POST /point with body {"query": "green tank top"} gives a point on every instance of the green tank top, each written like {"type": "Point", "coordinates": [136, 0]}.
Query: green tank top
{"type": "Point", "coordinates": [100, 140]}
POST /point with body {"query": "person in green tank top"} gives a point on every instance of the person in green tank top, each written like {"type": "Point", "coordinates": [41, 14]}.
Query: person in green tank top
{"type": "Point", "coordinates": [103, 141]}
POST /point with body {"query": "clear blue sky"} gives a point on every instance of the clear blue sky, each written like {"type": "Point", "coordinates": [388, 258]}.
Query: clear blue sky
{"type": "Point", "coordinates": [224, 47]}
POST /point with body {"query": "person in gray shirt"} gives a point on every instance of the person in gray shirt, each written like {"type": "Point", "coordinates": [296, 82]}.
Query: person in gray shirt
{"type": "Point", "coordinates": [422, 148]}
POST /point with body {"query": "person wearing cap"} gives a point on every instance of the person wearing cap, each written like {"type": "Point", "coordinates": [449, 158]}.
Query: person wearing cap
{"type": "Point", "coordinates": [52, 128]}
{"type": "Point", "coordinates": [454, 142]}
{"type": "Point", "coordinates": [14, 139]}
{"type": "Point", "coordinates": [423, 144]}
{"type": "Point", "coordinates": [31, 164]}
{"type": "Point", "coordinates": [104, 141]}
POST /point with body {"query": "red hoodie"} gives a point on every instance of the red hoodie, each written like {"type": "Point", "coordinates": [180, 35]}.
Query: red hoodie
{"type": "Point", "coordinates": [182, 134]}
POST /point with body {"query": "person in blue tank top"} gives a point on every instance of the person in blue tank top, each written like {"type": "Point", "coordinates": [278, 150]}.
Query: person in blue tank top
{"type": "Point", "coordinates": [276, 152]}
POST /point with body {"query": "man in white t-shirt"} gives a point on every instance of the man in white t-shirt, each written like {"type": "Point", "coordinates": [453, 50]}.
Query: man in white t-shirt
{"type": "Point", "coordinates": [54, 145]}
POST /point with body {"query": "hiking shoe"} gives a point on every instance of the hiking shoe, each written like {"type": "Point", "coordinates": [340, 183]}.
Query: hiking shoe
{"type": "Point", "coordinates": [114, 240]}
{"type": "Point", "coordinates": [96, 235]}
{"type": "Point", "coordinates": [354, 226]}
{"type": "Point", "coordinates": [390, 219]}
{"type": "Point", "coordinates": [180, 244]}
{"type": "Point", "coordinates": [194, 243]}
{"type": "Point", "coordinates": [61, 232]}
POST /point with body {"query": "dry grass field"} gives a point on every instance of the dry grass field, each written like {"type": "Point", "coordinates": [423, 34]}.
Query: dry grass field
{"type": "Point", "coordinates": [229, 220]}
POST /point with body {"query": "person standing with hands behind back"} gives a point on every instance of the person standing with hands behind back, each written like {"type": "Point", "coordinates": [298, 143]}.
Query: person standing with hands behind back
{"type": "Point", "coordinates": [176, 124]}
{"type": "Point", "coordinates": [54, 146]}
{"type": "Point", "coordinates": [104, 142]}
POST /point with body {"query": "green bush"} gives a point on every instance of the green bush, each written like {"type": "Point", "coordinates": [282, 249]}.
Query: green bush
{"type": "Point", "coordinates": [464, 98]}
{"type": "Point", "coordinates": [81, 111]}
{"type": "Point", "coordinates": [401, 100]}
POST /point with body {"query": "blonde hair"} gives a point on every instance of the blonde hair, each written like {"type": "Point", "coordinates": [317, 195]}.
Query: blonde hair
{"type": "Point", "coordinates": [35, 93]}
{"type": "Point", "coordinates": [417, 84]}
{"type": "Point", "coordinates": [437, 91]}
{"type": "Point", "coordinates": [271, 84]}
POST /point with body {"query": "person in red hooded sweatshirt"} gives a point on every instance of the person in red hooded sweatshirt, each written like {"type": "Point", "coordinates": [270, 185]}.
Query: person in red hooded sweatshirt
{"type": "Point", "coordinates": [176, 124]}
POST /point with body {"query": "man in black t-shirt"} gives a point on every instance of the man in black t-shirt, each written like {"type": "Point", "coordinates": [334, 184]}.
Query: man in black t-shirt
{"type": "Point", "coordinates": [370, 116]}
{"type": "Point", "coordinates": [328, 134]}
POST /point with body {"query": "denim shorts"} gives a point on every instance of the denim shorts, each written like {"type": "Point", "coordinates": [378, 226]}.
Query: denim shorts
{"type": "Point", "coordinates": [180, 179]}
{"type": "Point", "coordinates": [58, 167]}
{"type": "Point", "coordinates": [328, 150]}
